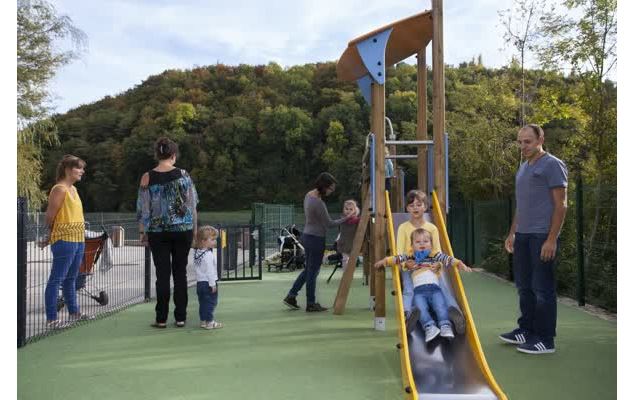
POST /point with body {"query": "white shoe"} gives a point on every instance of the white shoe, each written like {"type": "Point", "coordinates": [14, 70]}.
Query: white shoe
{"type": "Point", "coordinates": [446, 332]}
{"type": "Point", "coordinates": [431, 332]}
{"type": "Point", "coordinates": [212, 325]}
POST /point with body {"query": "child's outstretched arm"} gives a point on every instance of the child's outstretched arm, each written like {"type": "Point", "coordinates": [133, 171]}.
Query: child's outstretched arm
{"type": "Point", "coordinates": [462, 267]}
{"type": "Point", "coordinates": [451, 261]}
{"type": "Point", "coordinates": [390, 261]}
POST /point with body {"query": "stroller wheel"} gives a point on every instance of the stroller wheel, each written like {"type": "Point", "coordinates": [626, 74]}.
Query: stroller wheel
{"type": "Point", "coordinates": [60, 303]}
{"type": "Point", "coordinates": [103, 298]}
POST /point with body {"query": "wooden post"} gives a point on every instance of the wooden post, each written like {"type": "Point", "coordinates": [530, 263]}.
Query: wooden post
{"type": "Point", "coordinates": [438, 103]}
{"type": "Point", "coordinates": [347, 277]}
{"type": "Point", "coordinates": [365, 249]}
{"type": "Point", "coordinates": [378, 238]}
{"type": "Point", "coordinates": [422, 124]}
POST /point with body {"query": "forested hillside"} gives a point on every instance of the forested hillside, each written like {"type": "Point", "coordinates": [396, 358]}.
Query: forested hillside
{"type": "Point", "coordinates": [262, 133]}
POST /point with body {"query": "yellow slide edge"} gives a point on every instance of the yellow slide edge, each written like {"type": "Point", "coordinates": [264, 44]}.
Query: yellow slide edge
{"type": "Point", "coordinates": [404, 354]}
{"type": "Point", "coordinates": [470, 329]}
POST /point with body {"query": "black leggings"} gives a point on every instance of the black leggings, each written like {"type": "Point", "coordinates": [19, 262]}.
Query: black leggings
{"type": "Point", "coordinates": [169, 253]}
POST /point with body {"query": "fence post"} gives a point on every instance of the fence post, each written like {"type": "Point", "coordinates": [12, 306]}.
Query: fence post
{"type": "Point", "coordinates": [22, 272]}
{"type": "Point", "coordinates": [147, 274]}
{"type": "Point", "coordinates": [579, 216]}
{"type": "Point", "coordinates": [261, 250]}
{"type": "Point", "coordinates": [472, 222]}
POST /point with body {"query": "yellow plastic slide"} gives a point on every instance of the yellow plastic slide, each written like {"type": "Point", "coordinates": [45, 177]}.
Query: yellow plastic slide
{"type": "Point", "coordinates": [441, 369]}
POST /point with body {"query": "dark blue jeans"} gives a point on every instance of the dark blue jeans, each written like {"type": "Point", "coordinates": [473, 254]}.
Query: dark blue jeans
{"type": "Point", "coordinates": [207, 301]}
{"type": "Point", "coordinates": [536, 284]}
{"type": "Point", "coordinates": [431, 296]}
{"type": "Point", "coordinates": [314, 247]}
{"type": "Point", "coordinates": [67, 257]}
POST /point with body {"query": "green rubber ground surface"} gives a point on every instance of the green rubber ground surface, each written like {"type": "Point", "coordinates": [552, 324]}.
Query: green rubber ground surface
{"type": "Point", "coordinates": [268, 352]}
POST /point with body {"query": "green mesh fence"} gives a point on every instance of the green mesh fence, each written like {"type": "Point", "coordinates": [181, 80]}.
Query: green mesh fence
{"type": "Point", "coordinates": [272, 217]}
{"type": "Point", "coordinates": [478, 229]}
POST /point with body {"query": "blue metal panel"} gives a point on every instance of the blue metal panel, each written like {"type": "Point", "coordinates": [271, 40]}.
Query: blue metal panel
{"type": "Point", "coordinates": [373, 54]}
{"type": "Point", "coordinates": [364, 86]}
{"type": "Point", "coordinates": [403, 188]}
{"type": "Point", "coordinates": [430, 169]}
{"type": "Point", "coordinates": [372, 174]}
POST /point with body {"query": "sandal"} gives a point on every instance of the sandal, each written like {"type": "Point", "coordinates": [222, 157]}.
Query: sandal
{"type": "Point", "coordinates": [55, 324]}
{"type": "Point", "coordinates": [80, 317]}
{"type": "Point", "coordinates": [160, 325]}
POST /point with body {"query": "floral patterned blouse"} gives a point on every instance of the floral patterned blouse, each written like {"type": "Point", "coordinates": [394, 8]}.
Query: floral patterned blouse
{"type": "Point", "coordinates": [168, 203]}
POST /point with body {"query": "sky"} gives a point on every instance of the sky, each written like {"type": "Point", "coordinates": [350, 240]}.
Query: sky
{"type": "Point", "coordinates": [129, 40]}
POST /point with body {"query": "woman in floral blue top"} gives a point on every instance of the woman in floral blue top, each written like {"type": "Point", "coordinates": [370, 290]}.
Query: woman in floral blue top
{"type": "Point", "coordinates": [166, 211]}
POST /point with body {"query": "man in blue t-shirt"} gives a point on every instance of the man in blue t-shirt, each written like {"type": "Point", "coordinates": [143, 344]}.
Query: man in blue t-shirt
{"type": "Point", "coordinates": [541, 206]}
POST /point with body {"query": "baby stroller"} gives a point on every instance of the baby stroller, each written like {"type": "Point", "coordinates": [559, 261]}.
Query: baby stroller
{"type": "Point", "coordinates": [94, 246]}
{"type": "Point", "coordinates": [291, 250]}
{"type": "Point", "coordinates": [334, 259]}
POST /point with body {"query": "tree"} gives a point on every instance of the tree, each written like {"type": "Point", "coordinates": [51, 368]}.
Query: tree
{"type": "Point", "coordinates": [39, 27]}
{"type": "Point", "coordinates": [588, 46]}
{"type": "Point", "coordinates": [523, 31]}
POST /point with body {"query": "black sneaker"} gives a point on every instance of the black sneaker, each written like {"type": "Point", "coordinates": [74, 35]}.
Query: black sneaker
{"type": "Point", "coordinates": [412, 319]}
{"type": "Point", "coordinates": [517, 336]}
{"type": "Point", "coordinates": [315, 307]}
{"type": "Point", "coordinates": [458, 320]}
{"type": "Point", "coordinates": [291, 302]}
{"type": "Point", "coordinates": [537, 346]}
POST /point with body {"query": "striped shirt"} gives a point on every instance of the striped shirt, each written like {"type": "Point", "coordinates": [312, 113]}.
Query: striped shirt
{"type": "Point", "coordinates": [424, 276]}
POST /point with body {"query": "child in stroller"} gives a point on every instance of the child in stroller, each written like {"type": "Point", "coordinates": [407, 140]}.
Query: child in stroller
{"type": "Point", "coordinates": [291, 250]}
{"type": "Point", "coordinates": [95, 244]}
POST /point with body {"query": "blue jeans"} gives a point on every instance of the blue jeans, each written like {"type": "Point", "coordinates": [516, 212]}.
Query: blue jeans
{"type": "Point", "coordinates": [314, 247]}
{"type": "Point", "coordinates": [67, 257]}
{"type": "Point", "coordinates": [207, 301]}
{"type": "Point", "coordinates": [407, 290]}
{"type": "Point", "coordinates": [535, 281]}
{"type": "Point", "coordinates": [430, 295]}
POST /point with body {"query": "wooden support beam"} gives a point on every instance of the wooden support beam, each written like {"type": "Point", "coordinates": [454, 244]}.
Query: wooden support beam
{"type": "Point", "coordinates": [422, 121]}
{"type": "Point", "coordinates": [347, 277]}
{"type": "Point", "coordinates": [438, 102]}
{"type": "Point", "coordinates": [378, 238]}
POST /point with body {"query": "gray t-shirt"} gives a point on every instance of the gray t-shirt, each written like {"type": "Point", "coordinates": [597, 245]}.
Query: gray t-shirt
{"type": "Point", "coordinates": [317, 218]}
{"type": "Point", "coordinates": [534, 204]}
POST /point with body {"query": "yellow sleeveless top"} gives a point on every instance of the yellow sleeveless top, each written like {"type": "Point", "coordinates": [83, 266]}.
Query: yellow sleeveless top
{"type": "Point", "coordinates": [69, 221]}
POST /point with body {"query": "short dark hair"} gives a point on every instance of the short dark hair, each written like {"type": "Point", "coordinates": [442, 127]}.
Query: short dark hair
{"type": "Point", "coordinates": [165, 148]}
{"type": "Point", "coordinates": [536, 129]}
{"type": "Point", "coordinates": [323, 182]}
{"type": "Point", "coordinates": [68, 161]}
{"type": "Point", "coordinates": [416, 194]}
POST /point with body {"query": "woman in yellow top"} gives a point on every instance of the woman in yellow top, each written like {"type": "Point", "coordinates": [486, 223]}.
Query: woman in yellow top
{"type": "Point", "coordinates": [65, 219]}
{"type": "Point", "coordinates": [416, 207]}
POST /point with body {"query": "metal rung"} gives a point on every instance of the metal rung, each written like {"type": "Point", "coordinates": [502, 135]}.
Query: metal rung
{"type": "Point", "coordinates": [411, 142]}
{"type": "Point", "coordinates": [403, 156]}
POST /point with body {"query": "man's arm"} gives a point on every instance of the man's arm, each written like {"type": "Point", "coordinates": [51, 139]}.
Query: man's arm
{"type": "Point", "coordinates": [559, 196]}
{"type": "Point", "coordinates": [509, 241]}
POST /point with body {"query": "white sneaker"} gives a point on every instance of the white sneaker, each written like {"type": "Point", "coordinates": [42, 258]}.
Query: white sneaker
{"type": "Point", "coordinates": [203, 324]}
{"type": "Point", "coordinates": [446, 332]}
{"type": "Point", "coordinates": [431, 332]}
{"type": "Point", "coordinates": [212, 325]}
